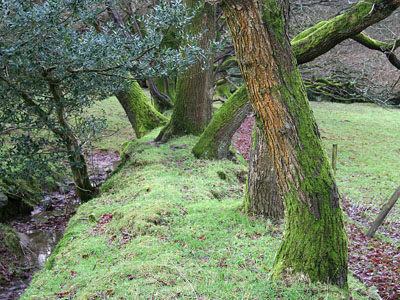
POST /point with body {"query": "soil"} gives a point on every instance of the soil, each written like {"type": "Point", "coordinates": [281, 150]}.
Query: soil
{"type": "Point", "coordinates": [43, 228]}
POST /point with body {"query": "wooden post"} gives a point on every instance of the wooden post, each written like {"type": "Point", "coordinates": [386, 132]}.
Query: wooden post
{"type": "Point", "coordinates": [386, 209]}
{"type": "Point", "coordinates": [334, 157]}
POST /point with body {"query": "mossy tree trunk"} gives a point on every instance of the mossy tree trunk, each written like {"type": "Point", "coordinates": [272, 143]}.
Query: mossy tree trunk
{"type": "Point", "coordinates": [315, 241]}
{"type": "Point", "coordinates": [141, 114]}
{"type": "Point", "coordinates": [216, 139]}
{"type": "Point", "coordinates": [192, 108]}
{"type": "Point", "coordinates": [318, 39]}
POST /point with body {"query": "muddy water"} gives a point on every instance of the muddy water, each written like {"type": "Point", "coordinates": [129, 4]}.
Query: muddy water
{"type": "Point", "coordinates": [41, 231]}
{"type": "Point", "coordinates": [39, 245]}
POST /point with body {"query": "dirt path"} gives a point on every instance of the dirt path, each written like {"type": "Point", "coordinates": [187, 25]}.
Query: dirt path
{"type": "Point", "coordinates": [373, 262]}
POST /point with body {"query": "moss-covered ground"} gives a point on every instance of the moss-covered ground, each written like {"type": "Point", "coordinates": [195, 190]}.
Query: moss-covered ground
{"type": "Point", "coordinates": [169, 226]}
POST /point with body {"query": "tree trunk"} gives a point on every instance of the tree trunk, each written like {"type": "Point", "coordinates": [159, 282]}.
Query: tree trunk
{"type": "Point", "coordinates": [161, 100]}
{"type": "Point", "coordinates": [77, 162]}
{"type": "Point", "coordinates": [83, 187]}
{"type": "Point", "coordinates": [192, 109]}
{"type": "Point", "coordinates": [325, 35]}
{"type": "Point", "coordinates": [262, 193]}
{"type": "Point", "coordinates": [215, 141]}
{"type": "Point", "coordinates": [141, 114]}
{"type": "Point", "coordinates": [315, 242]}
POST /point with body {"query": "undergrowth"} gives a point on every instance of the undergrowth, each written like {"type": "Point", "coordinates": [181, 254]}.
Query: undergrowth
{"type": "Point", "coordinates": [169, 226]}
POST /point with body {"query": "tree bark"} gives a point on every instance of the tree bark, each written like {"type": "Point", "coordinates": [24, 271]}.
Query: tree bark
{"type": "Point", "coordinates": [315, 241]}
{"type": "Point", "coordinates": [262, 196]}
{"type": "Point", "coordinates": [216, 139]}
{"type": "Point", "coordinates": [83, 187]}
{"type": "Point", "coordinates": [77, 161]}
{"type": "Point", "coordinates": [192, 109]}
{"type": "Point", "coordinates": [141, 114]}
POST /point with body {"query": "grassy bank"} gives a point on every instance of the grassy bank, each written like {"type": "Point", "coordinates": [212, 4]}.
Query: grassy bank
{"type": "Point", "coordinates": [168, 226]}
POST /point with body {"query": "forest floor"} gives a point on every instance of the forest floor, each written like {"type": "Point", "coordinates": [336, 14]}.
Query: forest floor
{"type": "Point", "coordinates": [169, 227]}
{"type": "Point", "coordinates": [357, 128]}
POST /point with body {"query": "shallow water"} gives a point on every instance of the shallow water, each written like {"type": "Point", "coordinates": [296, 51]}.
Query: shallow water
{"type": "Point", "coordinates": [39, 245]}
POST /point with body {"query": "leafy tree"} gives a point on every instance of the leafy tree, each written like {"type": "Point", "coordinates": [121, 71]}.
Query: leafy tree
{"type": "Point", "coordinates": [54, 64]}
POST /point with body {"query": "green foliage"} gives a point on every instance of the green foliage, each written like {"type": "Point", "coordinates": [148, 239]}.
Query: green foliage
{"type": "Point", "coordinates": [54, 64]}
{"type": "Point", "coordinates": [169, 237]}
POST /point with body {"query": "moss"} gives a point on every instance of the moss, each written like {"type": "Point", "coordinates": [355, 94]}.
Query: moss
{"type": "Point", "coordinates": [61, 246]}
{"type": "Point", "coordinates": [10, 239]}
{"type": "Point", "coordinates": [272, 15]}
{"type": "Point", "coordinates": [306, 33]}
{"type": "Point", "coordinates": [315, 241]}
{"type": "Point", "coordinates": [230, 62]}
{"type": "Point", "coordinates": [223, 90]}
{"type": "Point", "coordinates": [207, 145]}
{"type": "Point", "coordinates": [146, 116]}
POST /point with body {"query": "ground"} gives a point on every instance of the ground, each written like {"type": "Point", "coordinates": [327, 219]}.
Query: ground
{"type": "Point", "coordinates": [170, 226]}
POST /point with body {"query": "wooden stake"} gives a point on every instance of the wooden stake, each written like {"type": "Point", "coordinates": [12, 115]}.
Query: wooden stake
{"type": "Point", "coordinates": [334, 158]}
{"type": "Point", "coordinates": [386, 209]}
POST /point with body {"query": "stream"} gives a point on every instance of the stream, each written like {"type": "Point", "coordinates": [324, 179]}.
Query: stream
{"type": "Point", "coordinates": [40, 231]}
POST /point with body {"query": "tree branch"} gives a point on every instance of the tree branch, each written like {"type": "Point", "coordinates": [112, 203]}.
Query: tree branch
{"type": "Point", "coordinates": [386, 48]}
{"type": "Point", "coordinates": [325, 35]}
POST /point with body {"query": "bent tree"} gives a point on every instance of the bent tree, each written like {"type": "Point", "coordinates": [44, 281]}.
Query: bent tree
{"type": "Point", "coordinates": [315, 241]}
{"type": "Point", "coordinates": [141, 114]}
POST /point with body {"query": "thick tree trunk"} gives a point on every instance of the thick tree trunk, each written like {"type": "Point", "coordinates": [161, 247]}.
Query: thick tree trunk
{"type": "Point", "coordinates": [192, 108]}
{"type": "Point", "coordinates": [315, 241]}
{"type": "Point", "coordinates": [262, 193]}
{"type": "Point", "coordinates": [216, 139]}
{"type": "Point", "coordinates": [141, 114]}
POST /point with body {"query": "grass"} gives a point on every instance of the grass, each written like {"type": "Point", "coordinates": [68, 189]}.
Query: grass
{"type": "Point", "coordinates": [118, 129]}
{"type": "Point", "coordinates": [166, 226]}
{"type": "Point", "coordinates": [368, 138]}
